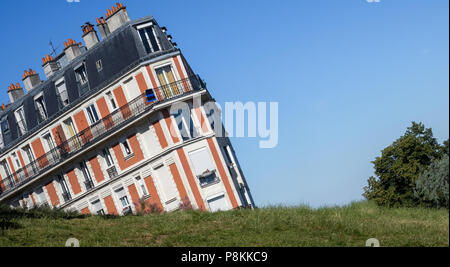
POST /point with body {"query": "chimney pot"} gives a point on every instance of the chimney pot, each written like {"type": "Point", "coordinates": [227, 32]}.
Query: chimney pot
{"type": "Point", "coordinates": [72, 49]}
{"type": "Point", "coordinates": [90, 36]}
{"type": "Point", "coordinates": [50, 66]}
{"type": "Point", "coordinates": [30, 79]}
{"type": "Point", "coordinates": [117, 17]}
{"type": "Point", "coordinates": [103, 27]}
{"type": "Point", "coordinates": [15, 92]}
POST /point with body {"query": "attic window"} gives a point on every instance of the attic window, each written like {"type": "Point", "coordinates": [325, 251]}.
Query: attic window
{"type": "Point", "coordinates": [5, 125]}
{"type": "Point", "coordinates": [20, 119]}
{"type": "Point", "coordinates": [40, 108]}
{"type": "Point", "coordinates": [148, 37]}
{"type": "Point", "coordinates": [81, 74]}
{"type": "Point", "coordinates": [99, 65]}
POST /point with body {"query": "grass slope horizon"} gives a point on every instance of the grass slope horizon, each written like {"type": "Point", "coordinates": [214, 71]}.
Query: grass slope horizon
{"type": "Point", "coordinates": [349, 225]}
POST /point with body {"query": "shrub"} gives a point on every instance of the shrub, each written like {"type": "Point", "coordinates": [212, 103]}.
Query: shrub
{"type": "Point", "coordinates": [38, 212]}
{"type": "Point", "coordinates": [145, 207]}
{"type": "Point", "coordinates": [185, 204]}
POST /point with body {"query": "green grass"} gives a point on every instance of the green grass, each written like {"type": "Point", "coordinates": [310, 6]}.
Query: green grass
{"type": "Point", "coordinates": [350, 225]}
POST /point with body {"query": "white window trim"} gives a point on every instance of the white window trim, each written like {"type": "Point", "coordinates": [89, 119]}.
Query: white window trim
{"type": "Point", "coordinates": [144, 25]}
{"type": "Point", "coordinates": [124, 149]}
{"type": "Point", "coordinates": [87, 113]}
{"type": "Point", "coordinates": [108, 101]}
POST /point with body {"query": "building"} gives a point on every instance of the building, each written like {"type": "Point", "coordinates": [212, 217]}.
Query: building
{"type": "Point", "coordinates": [100, 134]}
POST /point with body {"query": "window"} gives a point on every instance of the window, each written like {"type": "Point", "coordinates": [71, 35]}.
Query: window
{"type": "Point", "coordinates": [229, 155]}
{"type": "Point", "coordinates": [70, 132]}
{"type": "Point", "coordinates": [186, 129]}
{"type": "Point", "coordinates": [16, 162]}
{"type": "Point", "coordinates": [111, 169]}
{"type": "Point", "coordinates": [126, 148]}
{"type": "Point", "coordinates": [20, 119]}
{"type": "Point", "coordinates": [50, 146]}
{"type": "Point", "coordinates": [89, 184]}
{"type": "Point", "coordinates": [111, 100]}
{"type": "Point", "coordinates": [61, 92]}
{"type": "Point", "coordinates": [92, 113]}
{"type": "Point", "coordinates": [108, 158]}
{"type": "Point", "coordinates": [30, 158]}
{"type": "Point", "coordinates": [7, 173]}
{"type": "Point", "coordinates": [40, 108]}
{"type": "Point", "coordinates": [168, 190]}
{"type": "Point", "coordinates": [64, 188]}
{"type": "Point", "coordinates": [203, 166]}
{"type": "Point", "coordinates": [2, 144]}
{"type": "Point", "coordinates": [97, 207]}
{"type": "Point", "coordinates": [147, 34]}
{"type": "Point", "coordinates": [141, 186]}
{"type": "Point", "coordinates": [123, 199]}
{"type": "Point", "coordinates": [81, 75]}
{"type": "Point", "coordinates": [167, 81]}
{"type": "Point", "coordinates": [41, 196]}
{"type": "Point", "coordinates": [217, 203]}
{"type": "Point", "coordinates": [99, 65]}
{"type": "Point", "coordinates": [5, 124]}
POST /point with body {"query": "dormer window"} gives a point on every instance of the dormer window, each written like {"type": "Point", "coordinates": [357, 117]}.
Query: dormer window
{"type": "Point", "coordinates": [81, 74]}
{"type": "Point", "coordinates": [4, 124]}
{"type": "Point", "coordinates": [61, 92]}
{"type": "Point", "coordinates": [40, 108]}
{"type": "Point", "coordinates": [148, 37]}
{"type": "Point", "coordinates": [20, 119]}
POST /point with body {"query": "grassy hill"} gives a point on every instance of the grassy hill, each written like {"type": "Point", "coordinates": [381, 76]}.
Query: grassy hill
{"type": "Point", "coordinates": [350, 225]}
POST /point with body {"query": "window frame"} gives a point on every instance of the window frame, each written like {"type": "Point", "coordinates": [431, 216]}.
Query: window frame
{"type": "Point", "coordinates": [125, 208]}
{"type": "Point", "coordinates": [93, 203]}
{"type": "Point", "coordinates": [19, 115]}
{"type": "Point", "coordinates": [148, 43]}
{"type": "Point", "coordinates": [59, 93]}
{"type": "Point", "coordinates": [44, 108]}
{"type": "Point", "coordinates": [111, 101]}
{"type": "Point", "coordinates": [92, 113]}
{"type": "Point", "coordinates": [2, 122]}
{"type": "Point", "coordinates": [82, 81]}
{"type": "Point", "coordinates": [108, 157]}
{"type": "Point", "coordinates": [99, 65]}
{"type": "Point", "coordinates": [64, 187]}
{"type": "Point", "coordinates": [124, 149]}
{"type": "Point", "coordinates": [142, 186]}
{"type": "Point", "coordinates": [86, 175]}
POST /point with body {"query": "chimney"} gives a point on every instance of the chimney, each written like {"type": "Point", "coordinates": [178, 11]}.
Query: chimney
{"type": "Point", "coordinates": [90, 36]}
{"type": "Point", "coordinates": [116, 17]}
{"type": "Point", "coordinates": [72, 49]}
{"type": "Point", "coordinates": [15, 92]}
{"type": "Point", "coordinates": [103, 27]}
{"type": "Point", "coordinates": [50, 66]}
{"type": "Point", "coordinates": [30, 79]}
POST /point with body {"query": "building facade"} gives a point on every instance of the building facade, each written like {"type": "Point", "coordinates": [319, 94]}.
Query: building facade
{"type": "Point", "coordinates": [107, 129]}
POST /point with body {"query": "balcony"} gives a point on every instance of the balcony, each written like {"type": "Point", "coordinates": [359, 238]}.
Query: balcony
{"type": "Point", "coordinates": [97, 131]}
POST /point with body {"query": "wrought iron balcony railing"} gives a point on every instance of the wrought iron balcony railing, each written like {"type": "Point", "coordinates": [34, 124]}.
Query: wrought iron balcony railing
{"type": "Point", "coordinates": [97, 131]}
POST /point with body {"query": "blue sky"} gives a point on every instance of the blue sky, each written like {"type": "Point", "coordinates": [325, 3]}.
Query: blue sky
{"type": "Point", "coordinates": [349, 76]}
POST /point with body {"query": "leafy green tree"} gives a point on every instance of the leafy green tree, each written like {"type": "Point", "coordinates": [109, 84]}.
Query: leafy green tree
{"type": "Point", "coordinates": [399, 166]}
{"type": "Point", "coordinates": [432, 185]}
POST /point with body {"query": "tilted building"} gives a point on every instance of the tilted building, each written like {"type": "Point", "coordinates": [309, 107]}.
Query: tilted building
{"type": "Point", "coordinates": [99, 135]}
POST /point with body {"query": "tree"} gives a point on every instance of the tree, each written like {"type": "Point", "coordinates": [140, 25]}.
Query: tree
{"type": "Point", "coordinates": [399, 166]}
{"type": "Point", "coordinates": [432, 185]}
